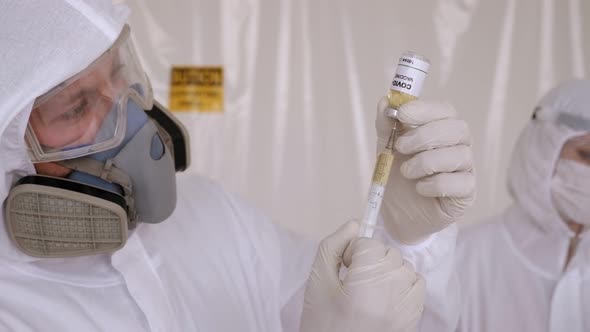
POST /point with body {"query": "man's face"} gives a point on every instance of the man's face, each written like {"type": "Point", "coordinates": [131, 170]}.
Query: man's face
{"type": "Point", "coordinates": [73, 116]}
{"type": "Point", "coordinates": [577, 149]}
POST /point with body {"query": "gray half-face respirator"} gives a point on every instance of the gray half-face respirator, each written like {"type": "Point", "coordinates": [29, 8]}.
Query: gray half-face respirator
{"type": "Point", "coordinates": [107, 193]}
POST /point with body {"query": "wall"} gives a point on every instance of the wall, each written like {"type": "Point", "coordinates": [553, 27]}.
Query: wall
{"type": "Point", "coordinates": [302, 79]}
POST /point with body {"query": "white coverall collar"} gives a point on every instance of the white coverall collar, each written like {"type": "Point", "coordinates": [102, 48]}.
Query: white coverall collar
{"type": "Point", "coordinates": [544, 252]}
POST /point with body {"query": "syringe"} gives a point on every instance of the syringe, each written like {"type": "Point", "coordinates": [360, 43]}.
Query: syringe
{"type": "Point", "coordinates": [405, 87]}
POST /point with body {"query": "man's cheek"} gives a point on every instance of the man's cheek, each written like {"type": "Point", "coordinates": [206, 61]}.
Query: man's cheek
{"type": "Point", "coordinates": [52, 169]}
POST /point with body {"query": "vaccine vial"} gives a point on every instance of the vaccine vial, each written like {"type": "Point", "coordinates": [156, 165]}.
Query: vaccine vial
{"type": "Point", "coordinates": [407, 82]}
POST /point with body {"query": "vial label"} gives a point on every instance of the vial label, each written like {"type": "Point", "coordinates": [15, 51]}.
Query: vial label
{"type": "Point", "coordinates": [410, 76]}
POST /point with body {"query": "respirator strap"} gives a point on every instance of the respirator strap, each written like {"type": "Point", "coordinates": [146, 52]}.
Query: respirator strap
{"type": "Point", "coordinates": [104, 170]}
{"type": "Point", "coordinates": [108, 172]}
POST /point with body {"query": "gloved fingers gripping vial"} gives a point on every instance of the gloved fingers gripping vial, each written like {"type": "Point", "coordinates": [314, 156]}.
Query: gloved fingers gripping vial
{"type": "Point", "coordinates": [406, 86]}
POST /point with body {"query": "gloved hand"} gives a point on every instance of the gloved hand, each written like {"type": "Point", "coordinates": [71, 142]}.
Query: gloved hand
{"type": "Point", "coordinates": [379, 292]}
{"type": "Point", "coordinates": [432, 180]}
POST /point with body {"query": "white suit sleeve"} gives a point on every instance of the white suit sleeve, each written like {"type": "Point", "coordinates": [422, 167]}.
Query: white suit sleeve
{"type": "Point", "coordinates": [287, 256]}
{"type": "Point", "coordinates": [434, 259]}
{"type": "Point", "coordinates": [297, 255]}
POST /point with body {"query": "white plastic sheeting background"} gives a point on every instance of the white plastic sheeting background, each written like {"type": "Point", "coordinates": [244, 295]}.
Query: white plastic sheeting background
{"type": "Point", "coordinates": [303, 77]}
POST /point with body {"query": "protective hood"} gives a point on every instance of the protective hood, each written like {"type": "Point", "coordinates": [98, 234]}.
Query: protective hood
{"type": "Point", "coordinates": [560, 115]}
{"type": "Point", "coordinates": [42, 43]}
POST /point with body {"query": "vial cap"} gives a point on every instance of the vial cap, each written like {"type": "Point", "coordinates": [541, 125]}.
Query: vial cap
{"type": "Point", "coordinates": [415, 61]}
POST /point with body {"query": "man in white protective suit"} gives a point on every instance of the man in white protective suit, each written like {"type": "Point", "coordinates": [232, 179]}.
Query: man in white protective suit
{"type": "Point", "coordinates": [528, 269]}
{"type": "Point", "coordinates": [101, 234]}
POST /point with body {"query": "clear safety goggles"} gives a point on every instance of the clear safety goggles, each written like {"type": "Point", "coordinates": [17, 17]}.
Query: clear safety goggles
{"type": "Point", "coordinates": [87, 113]}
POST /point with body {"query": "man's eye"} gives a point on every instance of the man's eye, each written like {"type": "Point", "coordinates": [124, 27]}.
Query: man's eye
{"type": "Point", "coordinates": [77, 112]}
{"type": "Point", "coordinates": [584, 154]}
{"type": "Point", "coordinates": [117, 69]}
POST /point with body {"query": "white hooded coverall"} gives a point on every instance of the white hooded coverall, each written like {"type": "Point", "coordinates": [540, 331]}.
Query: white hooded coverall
{"type": "Point", "coordinates": [215, 265]}
{"type": "Point", "coordinates": [512, 270]}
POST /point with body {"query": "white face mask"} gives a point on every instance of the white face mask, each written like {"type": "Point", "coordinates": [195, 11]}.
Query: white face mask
{"type": "Point", "coordinates": [570, 189]}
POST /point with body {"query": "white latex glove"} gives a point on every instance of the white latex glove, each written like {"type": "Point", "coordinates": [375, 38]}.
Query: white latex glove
{"type": "Point", "coordinates": [380, 291]}
{"type": "Point", "coordinates": [432, 180]}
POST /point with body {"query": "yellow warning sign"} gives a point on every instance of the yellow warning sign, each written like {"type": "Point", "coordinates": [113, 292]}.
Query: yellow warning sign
{"type": "Point", "coordinates": [196, 89]}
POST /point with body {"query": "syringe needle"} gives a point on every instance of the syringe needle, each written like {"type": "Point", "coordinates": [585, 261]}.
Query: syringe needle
{"type": "Point", "coordinates": [392, 135]}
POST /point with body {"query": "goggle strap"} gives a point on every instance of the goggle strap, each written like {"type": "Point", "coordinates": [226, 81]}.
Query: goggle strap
{"type": "Point", "coordinates": [574, 121]}
{"type": "Point", "coordinates": [106, 171]}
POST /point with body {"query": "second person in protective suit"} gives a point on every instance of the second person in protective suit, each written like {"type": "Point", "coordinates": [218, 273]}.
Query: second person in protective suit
{"type": "Point", "coordinates": [528, 269]}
